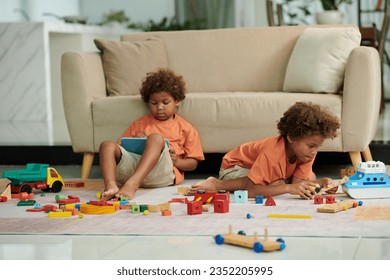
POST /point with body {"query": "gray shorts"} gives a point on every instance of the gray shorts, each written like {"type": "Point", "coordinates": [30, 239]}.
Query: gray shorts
{"type": "Point", "coordinates": [233, 173]}
{"type": "Point", "coordinates": [162, 174]}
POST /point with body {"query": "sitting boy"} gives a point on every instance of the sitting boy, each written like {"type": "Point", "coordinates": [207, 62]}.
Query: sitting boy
{"type": "Point", "coordinates": [159, 165]}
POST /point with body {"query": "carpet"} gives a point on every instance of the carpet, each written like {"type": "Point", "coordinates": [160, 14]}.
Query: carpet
{"type": "Point", "coordinates": [16, 220]}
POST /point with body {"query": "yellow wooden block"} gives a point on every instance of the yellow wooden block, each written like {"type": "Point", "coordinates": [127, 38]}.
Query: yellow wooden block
{"type": "Point", "coordinates": [290, 216]}
{"type": "Point", "coordinates": [53, 214]}
{"type": "Point", "coordinates": [96, 210]}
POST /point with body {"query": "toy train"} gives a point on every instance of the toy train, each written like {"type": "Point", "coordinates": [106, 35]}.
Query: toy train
{"type": "Point", "coordinates": [369, 181]}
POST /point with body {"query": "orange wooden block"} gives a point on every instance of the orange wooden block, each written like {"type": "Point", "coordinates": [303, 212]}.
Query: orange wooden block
{"type": "Point", "coordinates": [74, 211]}
{"type": "Point", "coordinates": [166, 212]}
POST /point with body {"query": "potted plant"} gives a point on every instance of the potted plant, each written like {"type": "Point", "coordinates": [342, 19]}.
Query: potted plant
{"type": "Point", "coordinates": [331, 13]}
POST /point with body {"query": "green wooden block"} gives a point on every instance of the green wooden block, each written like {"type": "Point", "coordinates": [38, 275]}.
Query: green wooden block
{"type": "Point", "coordinates": [143, 208]}
{"type": "Point", "coordinates": [26, 202]}
{"type": "Point", "coordinates": [135, 209]}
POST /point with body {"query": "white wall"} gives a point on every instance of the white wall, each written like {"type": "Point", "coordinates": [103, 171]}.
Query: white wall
{"type": "Point", "coordinates": [12, 10]}
{"type": "Point", "coordinates": [137, 10]}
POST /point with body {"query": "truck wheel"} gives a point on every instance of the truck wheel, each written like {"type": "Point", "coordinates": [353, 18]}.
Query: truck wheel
{"type": "Point", "coordinates": [26, 188]}
{"type": "Point", "coordinates": [56, 186]}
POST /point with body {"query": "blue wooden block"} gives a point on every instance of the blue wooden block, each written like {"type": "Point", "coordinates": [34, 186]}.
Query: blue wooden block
{"type": "Point", "coordinates": [259, 199]}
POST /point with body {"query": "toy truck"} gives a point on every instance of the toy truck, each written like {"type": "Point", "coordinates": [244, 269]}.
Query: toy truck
{"type": "Point", "coordinates": [35, 176]}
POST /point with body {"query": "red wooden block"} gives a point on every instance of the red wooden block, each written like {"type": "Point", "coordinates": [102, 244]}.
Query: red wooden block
{"type": "Point", "coordinates": [318, 199]}
{"type": "Point", "coordinates": [194, 207]}
{"type": "Point", "coordinates": [330, 199]}
{"type": "Point", "coordinates": [222, 196]}
{"type": "Point", "coordinates": [221, 206]}
{"type": "Point", "coordinates": [270, 201]}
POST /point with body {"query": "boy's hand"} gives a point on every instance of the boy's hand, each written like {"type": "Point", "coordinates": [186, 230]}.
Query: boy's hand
{"type": "Point", "coordinates": [172, 153]}
{"type": "Point", "coordinates": [304, 189]}
{"type": "Point", "coordinates": [141, 134]}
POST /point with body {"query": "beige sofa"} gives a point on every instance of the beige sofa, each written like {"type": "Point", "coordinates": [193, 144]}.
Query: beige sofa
{"type": "Point", "coordinates": [239, 83]}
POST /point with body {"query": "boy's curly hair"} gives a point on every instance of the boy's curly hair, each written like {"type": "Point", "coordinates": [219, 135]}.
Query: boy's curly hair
{"type": "Point", "coordinates": [307, 119]}
{"type": "Point", "coordinates": [163, 80]}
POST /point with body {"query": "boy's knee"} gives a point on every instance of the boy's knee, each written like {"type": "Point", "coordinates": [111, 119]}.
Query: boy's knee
{"type": "Point", "coordinates": [105, 145]}
{"type": "Point", "coordinates": [155, 137]}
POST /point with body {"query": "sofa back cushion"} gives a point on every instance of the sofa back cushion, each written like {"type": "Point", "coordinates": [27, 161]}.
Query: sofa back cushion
{"type": "Point", "coordinates": [220, 60]}
{"type": "Point", "coordinates": [319, 58]}
{"type": "Point", "coordinates": [125, 64]}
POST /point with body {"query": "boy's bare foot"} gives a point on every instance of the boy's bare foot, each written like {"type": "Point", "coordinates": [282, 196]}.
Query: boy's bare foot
{"type": "Point", "coordinates": [109, 192]}
{"type": "Point", "coordinates": [126, 191]}
{"type": "Point", "coordinates": [210, 184]}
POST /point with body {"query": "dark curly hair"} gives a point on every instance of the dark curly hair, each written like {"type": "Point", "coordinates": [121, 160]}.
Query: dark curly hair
{"type": "Point", "coordinates": [163, 80]}
{"type": "Point", "coordinates": [307, 119]}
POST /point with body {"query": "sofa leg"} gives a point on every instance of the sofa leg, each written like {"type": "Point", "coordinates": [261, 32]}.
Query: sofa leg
{"type": "Point", "coordinates": [87, 165]}
{"type": "Point", "coordinates": [355, 158]}
{"type": "Point", "coordinates": [367, 154]}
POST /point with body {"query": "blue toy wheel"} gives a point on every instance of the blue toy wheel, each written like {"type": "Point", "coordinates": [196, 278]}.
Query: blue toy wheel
{"type": "Point", "coordinates": [258, 247]}
{"type": "Point", "coordinates": [219, 239]}
{"type": "Point", "coordinates": [241, 232]}
{"type": "Point", "coordinates": [280, 240]}
{"type": "Point", "coordinates": [282, 246]}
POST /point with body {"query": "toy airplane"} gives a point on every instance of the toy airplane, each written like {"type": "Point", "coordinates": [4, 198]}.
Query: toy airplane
{"type": "Point", "coordinates": [369, 181]}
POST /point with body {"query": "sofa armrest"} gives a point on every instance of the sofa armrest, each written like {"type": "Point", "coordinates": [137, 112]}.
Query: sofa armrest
{"type": "Point", "coordinates": [361, 98]}
{"type": "Point", "coordinates": [82, 80]}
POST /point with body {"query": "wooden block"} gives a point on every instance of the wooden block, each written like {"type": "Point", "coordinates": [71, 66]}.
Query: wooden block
{"type": "Point", "coordinates": [74, 184]}
{"type": "Point", "coordinates": [7, 192]}
{"type": "Point", "coordinates": [270, 201]}
{"type": "Point", "coordinates": [53, 214]}
{"type": "Point", "coordinates": [194, 208]}
{"type": "Point", "coordinates": [241, 196]}
{"type": "Point", "coordinates": [182, 190]}
{"type": "Point", "coordinates": [136, 209]}
{"type": "Point", "coordinates": [96, 210]}
{"type": "Point", "coordinates": [338, 206]}
{"type": "Point", "coordinates": [221, 206]}
{"type": "Point", "coordinates": [166, 213]}
{"type": "Point", "coordinates": [26, 203]}
{"type": "Point", "coordinates": [318, 199]}
{"type": "Point", "coordinates": [259, 199]}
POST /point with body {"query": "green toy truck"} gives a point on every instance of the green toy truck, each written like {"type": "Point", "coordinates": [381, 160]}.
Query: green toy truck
{"type": "Point", "coordinates": [35, 176]}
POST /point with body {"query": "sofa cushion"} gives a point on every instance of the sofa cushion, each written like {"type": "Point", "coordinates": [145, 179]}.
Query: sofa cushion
{"type": "Point", "coordinates": [223, 120]}
{"type": "Point", "coordinates": [125, 64]}
{"type": "Point", "coordinates": [318, 60]}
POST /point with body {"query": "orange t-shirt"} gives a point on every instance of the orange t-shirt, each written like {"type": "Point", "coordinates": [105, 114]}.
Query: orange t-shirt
{"type": "Point", "coordinates": [182, 136]}
{"type": "Point", "coordinates": [267, 161]}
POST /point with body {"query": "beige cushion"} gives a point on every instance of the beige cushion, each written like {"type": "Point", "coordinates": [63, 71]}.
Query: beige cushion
{"type": "Point", "coordinates": [318, 60]}
{"type": "Point", "coordinates": [126, 64]}
{"type": "Point", "coordinates": [232, 118]}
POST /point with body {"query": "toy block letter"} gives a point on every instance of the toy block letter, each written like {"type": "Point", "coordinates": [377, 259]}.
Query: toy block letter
{"type": "Point", "coordinates": [241, 196]}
